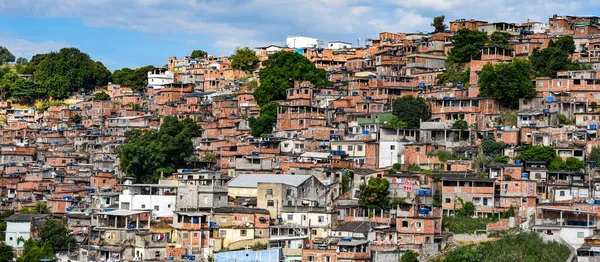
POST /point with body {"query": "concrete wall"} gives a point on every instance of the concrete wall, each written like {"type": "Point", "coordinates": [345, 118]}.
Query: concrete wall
{"type": "Point", "coordinates": [15, 230]}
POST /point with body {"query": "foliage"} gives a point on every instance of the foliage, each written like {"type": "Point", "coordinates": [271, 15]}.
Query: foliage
{"type": "Point", "coordinates": [59, 74]}
{"type": "Point", "coordinates": [595, 155]}
{"type": "Point", "coordinates": [43, 106]}
{"type": "Point", "coordinates": [34, 252]}
{"type": "Point", "coordinates": [4, 215]}
{"type": "Point", "coordinates": [55, 233]}
{"type": "Point", "coordinates": [136, 79]}
{"type": "Point", "coordinates": [537, 153]}
{"type": "Point", "coordinates": [394, 123]}
{"type": "Point", "coordinates": [464, 224]}
{"type": "Point", "coordinates": [374, 194]}
{"type": "Point", "coordinates": [396, 201]}
{"type": "Point", "coordinates": [555, 57]}
{"type": "Point", "coordinates": [512, 248]}
{"type": "Point", "coordinates": [146, 155]}
{"type": "Point", "coordinates": [460, 124]}
{"type": "Point", "coordinates": [410, 256]}
{"type": "Point", "coordinates": [345, 182]}
{"type": "Point", "coordinates": [563, 120]}
{"type": "Point", "coordinates": [413, 168]}
{"type": "Point", "coordinates": [443, 155]}
{"type": "Point", "coordinates": [38, 208]}
{"type": "Point", "coordinates": [500, 159]}
{"type": "Point", "coordinates": [21, 61]}
{"type": "Point", "coordinates": [467, 45]}
{"type": "Point", "coordinates": [6, 56]}
{"type": "Point", "coordinates": [438, 23]}
{"type": "Point", "coordinates": [491, 147]}
{"type": "Point", "coordinates": [279, 73]}
{"type": "Point", "coordinates": [259, 246]}
{"type": "Point", "coordinates": [251, 85]}
{"type": "Point", "coordinates": [198, 54]}
{"type": "Point", "coordinates": [6, 252]}
{"type": "Point", "coordinates": [437, 199]}
{"type": "Point", "coordinates": [411, 110]}
{"type": "Point", "coordinates": [499, 39]}
{"type": "Point", "coordinates": [507, 118]}
{"type": "Point", "coordinates": [570, 164]}
{"type": "Point", "coordinates": [396, 166]}
{"type": "Point", "coordinates": [76, 119]}
{"type": "Point", "coordinates": [594, 106]}
{"type": "Point", "coordinates": [264, 123]}
{"type": "Point", "coordinates": [467, 210]}
{"type": "Point", "coordinates": [244, 59]}
{"type": "Point", "coordinates": [101, 96]}
{"type": "Point", "coordinates": [454, 75]}
{"type": "Point", "coordinates": [209, 157]}
{"type": "Point", "coordinates": [507, 82]}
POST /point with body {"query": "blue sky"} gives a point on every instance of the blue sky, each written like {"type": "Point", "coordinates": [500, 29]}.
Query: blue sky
{"type": "Point", "coordinates": [133, 33]}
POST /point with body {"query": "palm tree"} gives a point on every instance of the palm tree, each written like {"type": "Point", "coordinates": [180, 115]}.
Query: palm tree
{"type": "Point", "coordinates": [41, 208]}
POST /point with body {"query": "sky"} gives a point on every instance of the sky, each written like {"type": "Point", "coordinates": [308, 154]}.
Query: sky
{"type": "Point", "coordinates": [134, 33]}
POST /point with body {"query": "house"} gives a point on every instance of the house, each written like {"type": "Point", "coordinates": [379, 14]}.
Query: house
{"type": "Point", "coordinates": [21, 226]}
{"type": "Point", "coordinates": [238, 226]}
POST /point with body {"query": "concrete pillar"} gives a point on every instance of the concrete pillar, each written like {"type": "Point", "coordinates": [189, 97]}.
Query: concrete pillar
{"type": "Point", "coordinates": [561, 217]}
{"type": "Point", "coordinates": [137, 221]}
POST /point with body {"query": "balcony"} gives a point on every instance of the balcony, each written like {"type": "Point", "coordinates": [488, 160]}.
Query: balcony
{"type": "Point", "coordinates": [354, 255]}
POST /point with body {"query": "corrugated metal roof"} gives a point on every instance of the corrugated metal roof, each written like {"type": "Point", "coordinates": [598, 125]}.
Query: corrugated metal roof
{"type": "Point", "coordinates": [248, 180]}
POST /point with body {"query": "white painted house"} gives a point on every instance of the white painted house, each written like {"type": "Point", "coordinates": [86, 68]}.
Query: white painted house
{"type": "Point", "coordinates": [19, 226]}
{"type": "Point", "coordinates": [294, 41]}
{"type": "Point", "coordinates": [338, 45]}
{"type": "Point", "coordinates": [160, 78]}
{"type": "Point", "coordinates": [158, 198]}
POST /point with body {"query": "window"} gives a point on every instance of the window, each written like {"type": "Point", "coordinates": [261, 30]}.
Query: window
{"type": "Point", "coordinates": [156, 208]}
{"type": "Point", "coordinates": [223, 220]}
{"type": "Point", "coordinates": [313, 232]}
{"type": "Point", "coordinates": [339, 148]}
{"type": "Point", "coordinates": [157, 254]}
{"type": "Point", "coordinates": [476, 200]}
{"type": "Point", "coordinates": [419, 225]}
{"type": "Point", "coordinates": [404, 223]}
{"type": "Point", "coordinates": [185, 235]}
{"type": "Point", "coordinates": [561, 193]}
{"type": "Point", "coordinates": [326, 259]}
{"type": "Point", "coordinates": [288, 192]}
{"type": "Point", "coordinates": [320, 219]}
{"type": "Point", "coordinates": [244, 219]}
{"type": "Point", "coordinates": [580, 235]}
{"type": "Point", "coordinates": [195, 234]}
{"type": "Point", "coordinates": [350, 148]}
{"type": "Point", "coordinates": [269, 191]}
{"type": "Point", "coordinates": [270, 203]}
{"type": "Point", "coordinates": [418, 149]}
{"type": "Point", "coordinates": [222, 233]}
{"type": "Point", "coordinates": [143, 206]}
{"type": "Point", "coordinates": [485, 201]}
{"type": "Point", "coordinates": [448, 200]}
{"type": "Point", "coordinates": [392, 147]}
{"type": "Point", "coordinates": [359, 148]}
{"type": "Point", "coordinates": [311, 259]}
{"type": "Point", "coordinates": [290, 217]}
{"type": "Point", "coordinates": [10, 238]}
{"type": "Point", "coordinates": [243, 232]}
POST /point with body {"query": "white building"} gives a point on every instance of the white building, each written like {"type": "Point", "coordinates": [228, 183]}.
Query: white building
{"type": "Point", "coordinates": [390, 152]}
{"type": "Point", "coordinates": [159, 78]}
{"type": "Point", "coordinates": [158, 198]}
{"type": "Point", "coordinates": [293, 41]}
{"type": "Point", "coordinates": [338, 45]}
{"type": "Point", "coordinates": [19, 226]}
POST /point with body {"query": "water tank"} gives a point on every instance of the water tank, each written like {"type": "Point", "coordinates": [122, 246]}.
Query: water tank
{"type": "Point", "coordinates": [365, 132]}
{"type": "Point", "coordinates": [524, 176]}
{"type": "Point", "coordinates": [517, 162]}
{"type": "Point", "coordinates": [597, 202]}
{"type": "Point", "coordinates": [423, 211]}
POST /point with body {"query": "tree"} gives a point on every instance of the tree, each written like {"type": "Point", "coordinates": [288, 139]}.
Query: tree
{"type": "Point", "coordinates": [21, 61]}
{"type": "Point", "coordinates": [467, 210]}
{"type": "Point", "coordinates": [374, 194]}
{"type": "Point", "coordinates": [438, 23]}
{"type": "Point", "coordinates": [467, 45]}
{"type": "Point", "coordinates": [499, 39]}
{"type": "Point", "coordinates": [454, 75]}
{"type": "Point", "coordinates": [146, 155]}
{"type": "Point", "coordinates": [460, 124]}
{"type": "Point", "coordinates": [491, 147]}
{"type": "Point", "coordinates": [574, 164]}
{"type": "Point", "coordinates": [137, 79]}
{"type": "Point", "coordinates": [6, 252]}
{"type": "Point", "coordinates": [594, 106]}
{"type": "Point", "coordinates": [59, 74]}
{"type": "Point", "coordinates": [101, 96]}
{"type": "Point", "coordinates": [280, 72]}
{"type": "Point", "coordinates": [411, 110]}
{"type": "Point", "coordinates": [34, 252]}
{"type": "Point", "coordinates": [507, 82]}
{"type": "Point", "coordinates": [76, 119]}
{"type": "Point", "coordinates": [264, 123]}
{"type": "Point", "coordinates": [555, 57]}
{"type": "Point", "coordinates": [198, 54]}
{"type": "Point", "coordinates": [6, 56]}
{"type": "Point", "coordinates": [55, 233]}
{"type": "Point", "coordinates": [537, 153]}
{"type": "Point", "coordinates": [209, 157]}
{"type": "Point", "coordinates": [410, 256]}
{"type": "Point", "coordinates": [41, 208]}
{"type": "Point", "coordinates": [595, 155]}
{"type": "Point", "coordinates": [395, 123]}
{"type": "Point", "coordinates": [244, 59]}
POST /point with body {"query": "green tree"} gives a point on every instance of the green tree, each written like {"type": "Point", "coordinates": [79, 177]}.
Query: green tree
{"type": "Point", "coordinates": [395, 123]}
{"type": "Point", "coordinates": [574, 164]}
{"type": "Point", "coordinates": [467, 45]}
{"type": "Point", "coordinates": [198, 54]}
{"type": "Point", "coordinates": [209, 157]}
{"type": "Point", "coordinates": [410, 256]}
{"type": "Point", "coordinates": [454, 75]}
{"type": "Point", "coordinates": [6, 252]}
{"type": "Point", "coordinates": [59, 74]}
{"type": "Point", "coordinates": [507, 82]}
{"type": "Point", "coordinates": [264, 123]}
{"type": "Point", "coordinates": [594, 106]}
{"type": "Point", "coordinates": [146, 155]}
{"type": "Point", "coordinates": [537, 153]}
{"type": "Point", "coordinates": [6, 56]}
{"type": "Point", "coordinates": [460, 124]}
{"type": "Point", "coordinates": [374, 194]}
{"type": "Point", "coordinates": [136, 79]}
{"type": "Point", "coordinates": [279, 73]}
{"type": "Point", "coordinates": [41, 208]}
{"type": "Point", "coordinates": [55, 233]}
{"type": "Point", "coordinates": [499, 39]}
{"type": "Point", "coordinates": [34, 252]}
{"type": "Point", "coordinates": [491, 147]}
{"type": "Point", "coordinates": [595, 155]}
{"type": "Point", "coordinates": [555, 57]}
{"type": "Point", "coordinates": [76, 119]}
{"type": "Point", "coordinates": [565, 44]}
{"type": "Point", "coordinates": [101, 96]}
{"type": "Point", "coordinates": [411, 110]}
{"type": "Point", "coordinates": [438, 23]}
{"type": "Point", "coordinates": [21, 61]}
{"type": "Point", "coordinates": [467, 210]}
{"type": "Point", "coordinates": [244, 59]}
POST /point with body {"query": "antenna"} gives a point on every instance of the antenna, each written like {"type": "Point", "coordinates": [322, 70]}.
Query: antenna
{"type": "Point", "coordinates": [358, 42]}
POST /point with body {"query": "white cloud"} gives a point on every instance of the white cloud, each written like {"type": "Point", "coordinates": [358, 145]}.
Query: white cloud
{"type": "Point", "coordinates": [21, 47]}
